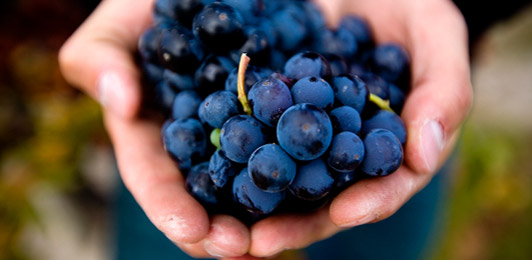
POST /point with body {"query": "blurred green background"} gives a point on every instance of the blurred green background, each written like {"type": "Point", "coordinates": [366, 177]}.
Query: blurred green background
{"type": "Point", "coordinates": [57, 172]}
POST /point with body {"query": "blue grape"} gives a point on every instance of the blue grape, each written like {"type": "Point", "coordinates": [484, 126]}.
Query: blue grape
{"type": "Point", "coordinates": [351, 91]}
{"type": "Point", "coordinates": [219, 27]}
{"type": "Point", "coordinates": [307, 64]}
{"type": "Point", "coordinates": [185, 141]}
{"type": "Point", "coordinates": [268, 99]}
{"type": "Point", "coordinates": [164, 96]}
{"type": "Point", "coordinates": [221, 169]}
{"type": "Point", "coordinates": [198, 183]}
{"type": "Point", "coordinates": [314, 91]}
{"type": "Point", "coordinates": [315, 19]}
{"type": "Point", "coordinates": [271, 168]}
{"type": "Point", "coordinates": [249, 9]}
{"type": "Point", "coordinates": [291, 27]}
{"type": "Point", "coordinates": [345, 118]}
{"type": "Point", "coordinates": [211, 75]}
{"type": "Point", "coordinates": [397, 98]}
{"type": "Point", "coordinates": [390, 61]}
{"type": "Point", "coordinates": [313, 180]}
{"type": "Point", "coordinates": [359, 28]}
{"type": "Point", "coordinates": [218, 107]}
{"type": "Point", "coordinates": [240, 136]}
{"type": "Point", "coordinates": [255, 200]}
{"type": "Point", "coordinates": [346, 152]}
{"type": "Point", "coordinates": [304, 131]}
{"type": "Point", "coordinates": [179, 81]}
{"type": "Point", "coordinates": [152, 72]}
{"type": "Point", "coordinates": [377, 85]}
{"type": "Point", "coordinates": [345, 179]}
{"type": "Point", "coordinates": [338, 65]}
{"type": "Point", "coordinates": [386, 120]}
{"type": "Point", "coordinates": [267, 27]}
{"type": "Point", "coordinates": [148, 45]}
{"type": "Point", "coordinates": [340, 42]}
{"type": "Point", "coordinates": [182, 11]}
{"type": "Point", "coordinates": [384, 153]}
{"type": "Point", "coordinates": [257, 47]}
{"type": "Point", "coordinates": [179, 50]}
{"type": "Point", "coordinates": [186, 105]}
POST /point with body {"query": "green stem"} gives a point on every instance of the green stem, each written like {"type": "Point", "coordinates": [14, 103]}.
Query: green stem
{"type": "Point", "coordinates": [383, 104]}
{"type": "Point", "coordinates": [242, 67]}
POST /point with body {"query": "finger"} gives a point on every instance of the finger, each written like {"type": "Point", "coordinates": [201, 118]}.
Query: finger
{"type": "Point", "coordinates": [441, 94]}
{"type": "Point", "coordinates": [278, 233]}
{"type": "Point", "coordinates": [98, 56]}
{"type": "Point", "coordinates": [227, 237]}
{"type": "Point", "coordinates": [155, 182]}
{"type": "Point", "coordinates": [372, 200]}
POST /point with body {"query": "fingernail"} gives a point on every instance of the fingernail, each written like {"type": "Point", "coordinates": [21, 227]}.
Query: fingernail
{"type": "Point", "coordinates": [213, 250]}
{"type": "Point", "coordinates": [432, 144]}
{"type": "Point", "coordinates": [112, 93]}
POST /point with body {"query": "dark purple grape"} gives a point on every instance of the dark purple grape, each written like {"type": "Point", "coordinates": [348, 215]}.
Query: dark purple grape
{"type": "Point", "coordinates": [291, 27]}
{"type": "Point", "coordinates": [377, 85]}
{"type": "Point", "coordinates": [179, 50]}
{"type": "Point", "coordinates": [253, 199]}
{"type": "Point", "coordinates": [313, 180]}
{"type": "Point", "coordinates": [198, 183]}
{"type": "Point", "coordinates": [307, 64]}
{"type": "Point", "coordinates": [249, 9]}
{"type": "Point", "coordinates": [268, 99]}
{"type": "Point", "coordinates": [340, 42]}
{"type": "Point", "coordinates": [359, 28]}
{"type": "Point", "coordinates": [384, 153]}
{"type": "Point", "coordinates": [152, 73]}
{"type": "Point", "coordinates": [186, 105]}
{"type": "Point", "coordinates": [182, 11]}
{"type": "Point", "coordinates": [346, 152]}
{"type": "Point", "coordinates": [164, 96]}
{"type": "Point", "coordinates": [256, 47]}
{"type": "Point", "coordinates": [304, 131]}
{"type": "Point", "coordinates": [148, 45]}
{"type": "Point", "coordinates": [351, 91]}
{"type": "Point", "coordinates": [221, 169]}
{"type": "Point", "coordinates": [271, 169]}
{"type": "Point", "coordinates": [397, 98]}
{"type": "Point", "coordinates": [386, 120]}
{"type": "Point", "coordinates": [211, 75]}
{"type": "Point", "coordinates": [390, 61]}
{"type": "Point", "coordinates": [179, 81]}
{"type": "Point", "coordinates": [345, 118]}
{"type": "Point", "coordinates": [185, 141]}
{"type": "Point", "coordinates": [218, 107]}
{"type": "Point", "coordinates": [338, 65]}
{"type": "Point", "coordinates": [219, 27]}
{"type": "Point", "coordinates": [240, 136]}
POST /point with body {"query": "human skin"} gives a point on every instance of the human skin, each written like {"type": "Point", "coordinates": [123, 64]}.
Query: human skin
{"type": "Point", "coordinates": [98, 58]}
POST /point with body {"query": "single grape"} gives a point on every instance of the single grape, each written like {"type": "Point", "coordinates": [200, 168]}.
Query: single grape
{"type": "Point", "coordinates": [219, 27]}
{"type": "Point", "coordinates": [377, 85]}
{"type": "Point", "coordinates": [271, 169]}
{"type": "Point", "coordinates": [345, 118]}
{"type": "Point", "coordinates": [397, 98]}
{"type": "Point", "coordinates": [152, 73]}
{"type": "Point", "coordinates": [255, 200]}
{"type": "Point", "coordinates": [338, 65]}
{"type": "Point", "coordinates": [384, 153]}
{"type": "Point", "coordinates": [178, 80]}
{"type": "Point", "coordinates": [249, 9]}
{"type": "Point", "coordinates": [240, 136]}
{"type": "Point", "coordinates": [256, 47]}
{"type": "Point", "coordinates": [164, 96]}
{"type": "Point", "coordinates": [359, 28]}
{"type": "Point", "coordinates": [185, 140]}
{"type": "Point", "coordinates": [340, 42]}
{"type": "Point", "coordinates": [211, 75]}
{"type": "Point", "coordinates": [148, 45]}
{"type": "Point", "coordinates": [314, 91]}
{"type": "Point", "coordinates": [390, 61]}
{"type": "Point", "coordinates": [386, 120]}
{"type": "Point", "coordinates": [307, 64]}
{"type": "Point", "coordinates": [268, 99]}
{"type": "Point", "coordinates": [304, 131]}
{"type": "Point", "coordinates": [313, 180]}
{"type": "Point", "coordinates": [291, 27]}
{"type": "Point", "coordinates": [198, 183]}
{"type": "Point", "coordinates": [221, 169]}
{"type": "Point", "coordinates": [186, 105]}
{"type": "Point", "coordinates": [218, 107]}
{"type": "Point", "coordinates": [179, 50]}
{"type": "Point", "coordinates": [351, 91]}
{"type": "Point", "coordinates": [346, 152]}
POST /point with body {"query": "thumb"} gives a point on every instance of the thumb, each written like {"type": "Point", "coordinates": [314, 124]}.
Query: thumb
{"type": "Point", "coordinates": [98, 58]}
{"type": "Point", "coordinates": [441, 95]}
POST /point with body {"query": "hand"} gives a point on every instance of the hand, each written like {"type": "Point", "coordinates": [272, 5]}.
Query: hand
{"type": "Point", "coordinates": [434, 34]}
{"type": "Point", "coordinates": [98, 59]}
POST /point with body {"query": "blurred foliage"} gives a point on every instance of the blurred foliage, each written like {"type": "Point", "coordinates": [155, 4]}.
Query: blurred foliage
{"type": "Point", "coordinates": [44, 123]}
{"type": "Point", "coordinates": [491, 206]}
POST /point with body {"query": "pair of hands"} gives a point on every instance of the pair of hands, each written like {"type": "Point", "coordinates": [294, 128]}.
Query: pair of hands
{"type": "Point", "coordinates": [98, 59]}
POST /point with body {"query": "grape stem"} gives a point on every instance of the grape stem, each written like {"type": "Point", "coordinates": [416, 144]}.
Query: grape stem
{"type": "Point", "coordinates": [383, 104]}
{"type": "Point", "coordinates": [242, 67]}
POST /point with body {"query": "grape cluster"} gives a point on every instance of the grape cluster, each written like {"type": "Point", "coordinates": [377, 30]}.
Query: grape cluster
{"type": "Point", "coordinates": [313, 111]}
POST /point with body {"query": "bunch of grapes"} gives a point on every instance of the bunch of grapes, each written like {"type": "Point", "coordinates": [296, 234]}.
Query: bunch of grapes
{"type": "Point", "coordinates": [269, 109]}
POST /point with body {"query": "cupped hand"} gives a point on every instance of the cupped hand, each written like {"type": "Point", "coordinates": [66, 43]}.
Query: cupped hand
{"type": "Point", "coordinates": [434, 34]}
{"type": "Point", "coordinates": [98, 58]}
